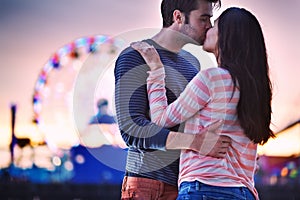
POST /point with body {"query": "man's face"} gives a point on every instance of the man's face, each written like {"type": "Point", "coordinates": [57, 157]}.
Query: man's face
{"type": "Point", "coordinates": [199, 22]}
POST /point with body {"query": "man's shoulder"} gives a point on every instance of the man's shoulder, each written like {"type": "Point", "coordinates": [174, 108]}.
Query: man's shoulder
{"type": "Point", "coordinates": [129, 51]}
{"type": "Point", "coordinates": [188, 56]}
{"type": "Point", "coordinates": [129, 57]}
{"type": "Point", "coordinates": [184, 52]}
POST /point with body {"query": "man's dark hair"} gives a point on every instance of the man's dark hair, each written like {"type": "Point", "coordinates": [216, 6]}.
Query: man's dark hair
{"type": "Point", "coordinates": [184, 6]}
{"type": "Point", "coordinates": [101, 103]}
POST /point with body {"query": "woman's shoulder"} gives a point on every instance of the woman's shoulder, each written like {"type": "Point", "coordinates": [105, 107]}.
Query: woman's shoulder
{"type": "Point", "coordinates": [215, 76]}
{"type": "Point", "coordinates": [214, 71]}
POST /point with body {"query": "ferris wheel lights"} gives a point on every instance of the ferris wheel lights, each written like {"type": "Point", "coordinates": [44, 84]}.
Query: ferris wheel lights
{"type": "Point", "coordinates": [81, 42]}
{"type": "Point", "coordinates": [101, 39]}
{"type": "Point", "coordinates": [42, 80]}
{"type": "Point", "coordinates": [92, 45]}
{"type": "Point", "coordinates": [91, 40]}
{"type": "Point", "coordinates": [56, 65]}
{"type": "Point", "coordinates": [92, 48]}
{"type": "Point", "coordinates": [39, 86]}
{"type": "Point", "coordinates": [76, 52]}
{"type": "Point", "coordinates": [47, 68]}
{"type": "Point", "coordinates": [55, 61]}
{"type": "Point", "coordinates": [36, 97]}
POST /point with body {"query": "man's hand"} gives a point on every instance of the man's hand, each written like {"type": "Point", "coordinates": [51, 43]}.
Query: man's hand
{"type": "Point", "coordinates": [149, 53]}
{"type": "Point", "coordinates": [209, 143]}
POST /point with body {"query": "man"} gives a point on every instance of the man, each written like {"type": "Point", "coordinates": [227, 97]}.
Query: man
{"type": "Point", "coordinates": [153, 154]}
{"type": "Point", "coordinates": [102, 116]}
{"type": "Point", "coordinates": [108, 127]}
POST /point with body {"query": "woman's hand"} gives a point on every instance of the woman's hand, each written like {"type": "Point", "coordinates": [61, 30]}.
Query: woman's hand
{"type": "Point", "coordinates": [149, 53]}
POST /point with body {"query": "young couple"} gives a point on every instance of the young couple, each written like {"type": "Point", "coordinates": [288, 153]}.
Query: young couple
{"type": "Point", "coordinates": [159, 85]}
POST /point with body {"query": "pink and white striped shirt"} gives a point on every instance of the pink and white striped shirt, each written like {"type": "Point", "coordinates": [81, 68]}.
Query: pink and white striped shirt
{"type": "Point", "coordinates": [207, 98]}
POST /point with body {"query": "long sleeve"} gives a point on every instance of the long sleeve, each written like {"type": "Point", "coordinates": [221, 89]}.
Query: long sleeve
{"type": "Point", "coordinates": [132, 104]}
{"type": "Point", "coordinates": [195, 96]}
{"type": "Point", "coordinates": [147, 153]}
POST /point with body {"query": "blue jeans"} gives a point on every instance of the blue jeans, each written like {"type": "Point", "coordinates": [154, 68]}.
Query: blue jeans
{"type": "Point", "coordinates": [201, 191]}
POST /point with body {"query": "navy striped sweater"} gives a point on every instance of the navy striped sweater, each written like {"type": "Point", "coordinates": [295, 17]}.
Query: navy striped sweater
{"type": "Point", "coordinates": [147, 156]}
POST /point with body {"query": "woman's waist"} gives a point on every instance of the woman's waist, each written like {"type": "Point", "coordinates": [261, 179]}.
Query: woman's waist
{"type": "Point", "coordinates": [223, 178]}
{"type": "Point", "coordinates": [195, 125]}
{"type": "Point", "coordinates": [230, 168]}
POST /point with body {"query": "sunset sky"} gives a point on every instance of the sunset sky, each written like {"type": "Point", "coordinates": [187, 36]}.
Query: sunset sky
{"type": "Point", "coordinates": [32, 30]}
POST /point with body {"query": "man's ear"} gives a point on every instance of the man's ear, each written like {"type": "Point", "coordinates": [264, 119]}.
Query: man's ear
{"type": "Point", "coordinates": [178, 17]}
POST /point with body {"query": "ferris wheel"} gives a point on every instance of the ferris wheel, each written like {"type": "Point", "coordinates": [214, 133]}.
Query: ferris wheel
{"type": "Point", "coordinates": [69, 85]}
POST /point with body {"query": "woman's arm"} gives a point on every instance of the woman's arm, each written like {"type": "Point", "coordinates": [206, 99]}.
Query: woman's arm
{"type": "Point", "coordinates": [207, 143]}
{"type": "Point", "coordinates": [132, 104]}
{"type": "Point", "coordinates": [195, 96]}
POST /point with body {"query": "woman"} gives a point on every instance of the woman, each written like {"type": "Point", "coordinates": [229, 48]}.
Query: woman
{"type": "Point", "coordinates": [238, 92]}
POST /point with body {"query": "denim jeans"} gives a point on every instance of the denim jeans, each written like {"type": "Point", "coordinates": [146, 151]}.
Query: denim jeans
{"type": "Point", "coordinates": [200, 191]}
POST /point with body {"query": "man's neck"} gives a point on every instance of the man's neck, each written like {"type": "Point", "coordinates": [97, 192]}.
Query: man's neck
{"type": "Point", "coordinates": [170, 39]}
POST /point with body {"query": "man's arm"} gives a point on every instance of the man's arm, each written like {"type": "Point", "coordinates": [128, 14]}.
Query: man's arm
{"type": "Point", "coordinates": [132, 104]}
{"type": "Point", "coordinates": [207, 143]}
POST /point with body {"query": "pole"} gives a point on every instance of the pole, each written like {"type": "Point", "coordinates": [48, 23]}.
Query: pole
{"type": "Point", "coordinates": [13, 108]}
